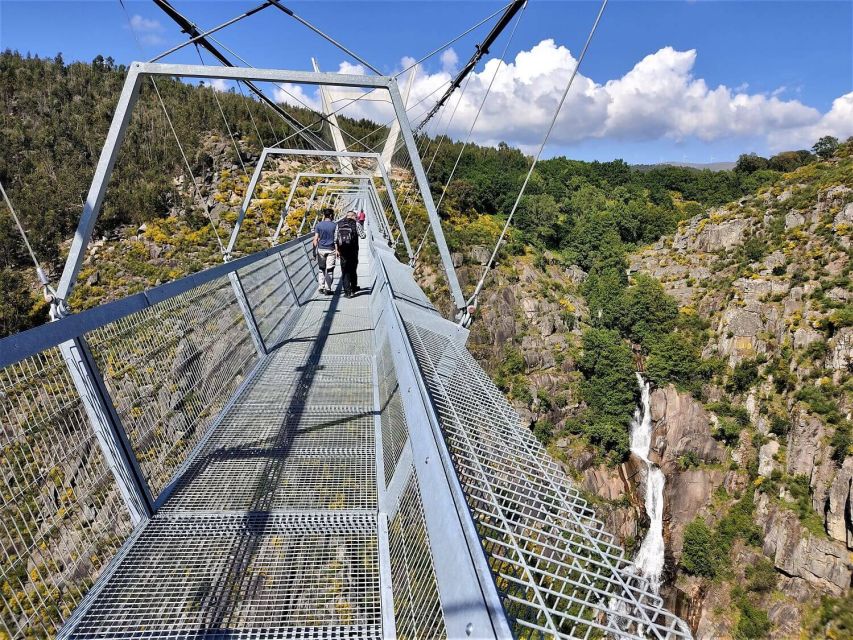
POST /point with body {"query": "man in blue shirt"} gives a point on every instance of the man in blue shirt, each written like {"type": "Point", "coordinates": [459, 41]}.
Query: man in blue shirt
{"type": "Point", "coordinates": [324, 245]}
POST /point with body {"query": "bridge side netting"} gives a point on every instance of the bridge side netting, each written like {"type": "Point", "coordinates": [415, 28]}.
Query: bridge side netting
{"type": "Point", "coordinates": [561, 575]}
{"type": "Point", "coordinates": [170, 369]}
{"type": "Point", "coordinates": [62, 517]}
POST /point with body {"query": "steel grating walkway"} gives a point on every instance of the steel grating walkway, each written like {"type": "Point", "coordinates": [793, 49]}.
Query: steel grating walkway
{"type": "Point", "coordinates": [272, 528]}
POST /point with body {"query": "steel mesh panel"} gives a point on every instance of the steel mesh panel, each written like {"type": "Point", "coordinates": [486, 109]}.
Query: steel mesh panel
{"type": "Point", "coordinates": [402, 283]}
{"type": "Point", "coordinates": [61, 515]}
{"type": "Point", "coordinates": [258, 576]}
{"type": "Point", "coordinates": [417, 608]}
{"type": "Point", "coordinates": [560, 572]}
{"type": "Point", "coordinates": [254, 480]}
{"type": "Point", "coordinates": [297, 428]}
{"type": "Point", "coordinates": [270, 297]}
{"type": "Point", "coordinates": [395, 431]}
{"type": "Point", "coordinates": [300, 268]}
{"type": "Point", "coordinates": [170, 368]}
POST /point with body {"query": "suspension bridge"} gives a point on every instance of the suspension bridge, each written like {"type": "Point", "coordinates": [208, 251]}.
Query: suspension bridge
{"type": "Point", "coordinates": [234, 455]}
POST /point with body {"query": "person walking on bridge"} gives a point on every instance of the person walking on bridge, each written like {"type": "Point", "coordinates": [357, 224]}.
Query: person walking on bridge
{"type": "Point", "coordinates": [324, 247]}
{"type": "Point", "coordinates": [346, 244]}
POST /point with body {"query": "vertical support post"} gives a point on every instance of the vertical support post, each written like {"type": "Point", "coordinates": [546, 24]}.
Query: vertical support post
{"type": "Point", "coordinates": [308, 208]}
{"type": "Point", "coordinates": [396, 209]}
{"type": "Point", "coordinates": [98, 189]}
{"type": "Point", "coordinates": [289, 281]}
{"type": "Point", "coordinates": [248, 316]}
{"type": "Point", "coordinates": [108, 428]}
{"type": "Point", "coordinates": [394, 132]}
{"type": "Point", "coordinates": [293, 186]}
{"type": "Point", "coordinates": [247, 201]}
{"type": "Point", "coordinates": [423, 185]}
{"type": "Point", "coordinates": [332, 118]}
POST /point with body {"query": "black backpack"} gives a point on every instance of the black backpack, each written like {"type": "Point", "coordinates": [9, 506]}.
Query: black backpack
{"type": "Point", "coordinates": [346, 234]}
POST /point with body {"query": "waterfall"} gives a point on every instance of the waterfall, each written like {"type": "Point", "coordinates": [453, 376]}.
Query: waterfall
{"type": "Point", "coordinates": [650, 559]}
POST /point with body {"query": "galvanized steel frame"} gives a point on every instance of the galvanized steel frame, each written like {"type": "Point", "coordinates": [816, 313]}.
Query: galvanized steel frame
{"type": "Point", "coordinates": [129, 95]}
{"type": "Point", "coordinates": [468, 594]}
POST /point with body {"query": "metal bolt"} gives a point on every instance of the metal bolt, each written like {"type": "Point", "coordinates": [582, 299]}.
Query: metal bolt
{"type": "Point", "coordinates": [469, 629]}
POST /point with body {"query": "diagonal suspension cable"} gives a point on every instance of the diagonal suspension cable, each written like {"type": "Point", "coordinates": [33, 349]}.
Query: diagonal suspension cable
{"type": "Point", "coordinates": [472, 301]}
{"type": "Point", "coordinates": [471, 129]}
{"type": "Point", "coordinates": [175, 134]}
{"type": "Point", "coordinates": [41, 275]}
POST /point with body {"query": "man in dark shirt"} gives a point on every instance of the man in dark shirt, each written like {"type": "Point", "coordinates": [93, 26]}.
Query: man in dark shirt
{"type": "Point", "coordinates": [346, 243]}
{"type": "Point", "coordinates": [324, 245]}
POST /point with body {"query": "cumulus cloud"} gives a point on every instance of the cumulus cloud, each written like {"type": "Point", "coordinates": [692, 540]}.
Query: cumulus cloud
{"type": "Point", "coordinates": [660, 98]}
{"type": "Point", "coordinates": [219, 84]}
{"type": "Point", "coordinates": [147, 30]}
{"type": "Point", "coordinates": [449, 60]}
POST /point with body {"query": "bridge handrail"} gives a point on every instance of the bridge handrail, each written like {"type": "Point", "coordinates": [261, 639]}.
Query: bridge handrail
{"type": "Point", "coordinates": [28, 343]}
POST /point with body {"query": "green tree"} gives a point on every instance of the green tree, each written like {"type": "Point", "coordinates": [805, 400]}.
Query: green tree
{"type": "Point", "coordinates": [825, 147]}
{"type": "Point", "coordinates": [674, 359]}
{"type": "Point", "coordinates": [609, 385]}
{"type": "Point", "coordinates": [750, 163]}
{"type": "Point", "coordinates": [648, 311]}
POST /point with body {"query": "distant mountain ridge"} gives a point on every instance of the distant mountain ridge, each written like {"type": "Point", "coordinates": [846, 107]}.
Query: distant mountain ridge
{"type": "Point", "coordinates": [711, 166]}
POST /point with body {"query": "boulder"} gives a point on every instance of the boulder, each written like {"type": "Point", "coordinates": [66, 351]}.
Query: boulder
{"type": "Point", "coordinates": [766, 461]}
{"type": "Point", "coordinates": [840, 356]}
{"type": "Point", "coordinates": [722, 235]}
{"type": "Point", "coordinates": [805, 442]}
{"type": "Point", "coordinates": [794, 219]}
{"type": "Point", "coordinates": [686, 493]}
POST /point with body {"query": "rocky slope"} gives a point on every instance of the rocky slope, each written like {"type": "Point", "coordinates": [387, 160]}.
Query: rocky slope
{"type": "Point", "coordinates": [762, 454]}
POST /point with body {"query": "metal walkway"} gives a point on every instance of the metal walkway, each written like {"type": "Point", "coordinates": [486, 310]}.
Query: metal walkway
{"type": "Point", "coordinates": [273, 527]}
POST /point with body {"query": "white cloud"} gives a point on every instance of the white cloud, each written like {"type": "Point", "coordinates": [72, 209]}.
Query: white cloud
{"type": "Point", "coordinates": [147, 30]}
{"type": "Point", "coordinates": [295, 95]}
{"type": "Point", "coordinates": [449, 60]}
{"type": "Point", "coordinates": [658, 99]}
{"type": "Point", "coordinates": [838, 122]}
{"type": "Point", "coordinates": [219, 84]}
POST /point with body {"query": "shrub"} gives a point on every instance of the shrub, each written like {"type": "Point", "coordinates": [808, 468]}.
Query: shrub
{"type": "Point", "coordinates": [689, 460]}
{"type": "Point", "coordinates": [842, 441]}
{"type": "Point", "coordinates": [544, 430]}
{"type": "Point", "coordinates": [821, 402]}
{"type": "Point", "coordinates": [753, 623]}
{"type": "Point", "coordinates": [698, 557]}
{"type": "Point", "coordinates": [611, 437]}
{"type": "Point", "coordinates": [780, 425]}
{"type": "Point", "coordinates": [761, 576]}
{"type": "Point", "coordinates": [745, 375]}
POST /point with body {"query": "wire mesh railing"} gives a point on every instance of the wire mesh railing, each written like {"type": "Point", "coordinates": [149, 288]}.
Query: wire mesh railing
{"type": "Point", "coordinates": [560, 573]}
{"type": "Point", "coordinates": [61, 517]}
{"type": "Point", "coordinates": [169, 371]}
{"type": "Point", "coordinates": [169, 359]}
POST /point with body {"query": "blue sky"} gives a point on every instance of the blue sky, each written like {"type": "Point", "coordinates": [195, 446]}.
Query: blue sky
{"type": "Point", "coordinates": [714, 78]}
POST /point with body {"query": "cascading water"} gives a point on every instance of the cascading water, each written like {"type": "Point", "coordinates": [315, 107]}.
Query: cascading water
{"type": "Point", "coordinates": [650, 559]}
